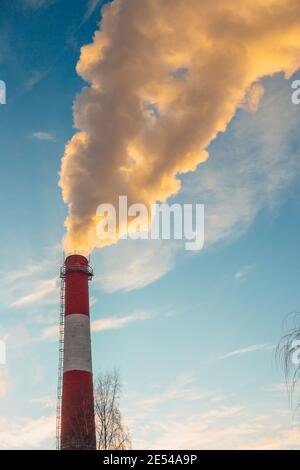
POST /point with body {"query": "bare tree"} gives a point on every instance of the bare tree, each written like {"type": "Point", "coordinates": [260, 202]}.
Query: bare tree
{"type": "Point", "coordinates": [111, 432]}
{"type": "Point", "coordinates": [288, 356]}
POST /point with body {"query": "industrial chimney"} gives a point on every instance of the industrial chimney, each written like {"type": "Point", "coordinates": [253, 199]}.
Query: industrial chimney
{"type": "Point", "coordinates": [77, 407]}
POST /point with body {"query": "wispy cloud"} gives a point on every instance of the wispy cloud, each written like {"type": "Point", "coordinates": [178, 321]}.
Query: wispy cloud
{"type": "Point", "coordinates": [27, 433]}
{"type": "Point", "coordinates": [44, 136]}
{"type": "Point", "coordinates": [283, 388]}
{"type": "Point", "coordinates": [91, 8]}
{"type": "Point", "coordinates": [40, 291]}
{"type": "Point", "coordinates": [242, 273]}
{"type": "Point", "coordinates": [5, 39]}
{"type": "Point", "coordinates": [103, 324]}
{"type": "Point", "coordinates": [276, 388]}
{"type": "Point", "coordinates": [181, 390]}
{"type": "Point", "coordinates": [36, 4]}
{"type": "Point", "coordinates": [35, 77]}
{"type": "Point", "coordinates": [49, 333]}
{"type": "Point", "coordinates": [145, 261]}
{"type": "Point", "coordinates": [227, 428]}
{"type": "Point", "coordinates": [34, 282]}
{"type": "Point", "coordinates": [157, 422]}
{"type": "Point", "coordinates": [28, 271]}
{"type": "Point", "coordinates": [45, 402]}
{"type": "Point", "coordinates": [281, 439]}
{"type": "Point", "coordinates": [248, 349]}
{"type": "Point", "coordinates": [114, 323]}
{"type": "Point", "coordinates": [5, 381]}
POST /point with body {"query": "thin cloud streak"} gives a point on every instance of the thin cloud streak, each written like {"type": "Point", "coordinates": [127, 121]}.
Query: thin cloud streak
{"type": "Point", "coordinates": [91, 8]}
{"type": "Point", "coordinates": [40, 291]}
{"type": "Point", "coordinates": [37, 4]}
{"type": "Point", "coordinates": [34, 282]}
{"type": "Point", "coordinates": [242, 273]}
{"type": "Point", "coordinates": [43, 136]}
{"type": "Point", "coordinates": [103, 324]}
{"type": "Point", "coordinates": [145, 261]}
{"type": "Point", "coordinates": [31, 269]}
{"type": "Point", "coordinates": [114, 323]}
{"type": "Point", "coordinates": [248, 349]}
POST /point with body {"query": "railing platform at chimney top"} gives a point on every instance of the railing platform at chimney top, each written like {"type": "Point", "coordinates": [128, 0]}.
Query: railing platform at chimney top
{"type": "Point", "coordinates": [86, 269]}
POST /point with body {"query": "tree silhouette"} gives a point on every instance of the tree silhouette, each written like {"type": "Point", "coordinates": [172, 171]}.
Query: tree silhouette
{"type": "Point", "coordinates": [287, 354]}
{"type": "Point", "coordinates": [110, 430]}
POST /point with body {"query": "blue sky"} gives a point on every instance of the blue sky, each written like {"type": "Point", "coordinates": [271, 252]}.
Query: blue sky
{"type": "Point", "coordinates": [192, 334]}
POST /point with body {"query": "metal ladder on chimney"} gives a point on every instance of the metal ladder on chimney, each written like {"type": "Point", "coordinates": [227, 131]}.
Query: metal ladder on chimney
{"type": "Point", "coordinates": [60, 361]}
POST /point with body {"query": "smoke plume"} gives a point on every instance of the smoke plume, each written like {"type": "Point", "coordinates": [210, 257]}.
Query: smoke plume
{"type": "Point", "coordinates": [166, 76]}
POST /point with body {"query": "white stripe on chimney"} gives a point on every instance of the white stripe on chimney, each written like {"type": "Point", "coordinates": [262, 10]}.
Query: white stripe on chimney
{"type": "Point", "coordinates": [77, 343]}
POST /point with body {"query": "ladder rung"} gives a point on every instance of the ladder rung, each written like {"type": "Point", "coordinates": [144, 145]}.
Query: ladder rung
{"type": "Point", "coordinates": [60, 362]}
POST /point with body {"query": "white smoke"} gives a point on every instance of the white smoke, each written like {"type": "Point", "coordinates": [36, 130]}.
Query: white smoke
{"type": "Point", "coordinates": [166, 76]}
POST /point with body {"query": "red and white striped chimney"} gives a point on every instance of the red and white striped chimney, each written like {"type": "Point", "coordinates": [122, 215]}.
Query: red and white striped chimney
{"type": "Point", "coordinates": [77, 408]}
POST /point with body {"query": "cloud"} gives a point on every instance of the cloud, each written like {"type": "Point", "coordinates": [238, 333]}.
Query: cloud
{"type": "Point", "coordinates": [280, 388]}
{"type": "Point", "coordinates": [114, 323]}
{"type": "Point", "coordinates": [17, 337]}
{"type": "Point", "coordinates": [5, 39]}
{"type": "Point", "coordinates": [35, 78]}
{"type": "Point", "coordinates": [28, 271]}
{"type": "Point", "coordinates": [158, 422]}
{"type": "Point", "coordinates": [145, 261]}
{"type": "Point", "coordinates": [43, 136]}
{"type": "Point", "coordinates": [180, 391]}
{"type": "Point", "coordinates": [2, 92]}
{"type": "Point", "coordinates": [132, 63]}
{"type": "Point", "coordinates": [250, 167]}
{"type": "Point", "coordinates": [49, 333]}
{"type": "Point", "coordinates": [27, 433]}
{"type": "Point", "coordinates": [40, 291]}
{"type": "Point", "coordinates": [102, 324]}
{"type": "Point", "coordinates": [34, 282]}
{"type": "Point", "coordinates": [91, 8]}
{"type": "Point", "coordinates": [253, 98]}
{"type": "Point", "coordinates": [5, 382]}
{"type": "Point", "coordinates": [285, 439]}
{"type": "Point", "coordinates": [229, 428]}
{"type": "Point", "coordinates": [248, 349]}
{"type": "Point", "coordinates": [45, 402]}
{"type": "Point", "coordinates": [242, 273]}
{"type": "Point", "coordinates": [249, 170]}
{"type": "Point", "coordinates": [37, 4]}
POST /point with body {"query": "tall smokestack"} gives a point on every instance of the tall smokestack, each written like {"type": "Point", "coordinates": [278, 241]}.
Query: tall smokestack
{"type": "Point", "coordinates": [77, 408]}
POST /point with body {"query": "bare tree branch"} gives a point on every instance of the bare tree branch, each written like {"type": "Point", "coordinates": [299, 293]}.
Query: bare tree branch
{"type": "Point", "coordinates": [111, 432]}
{"type": "Point", "coordinates": [287, 354]}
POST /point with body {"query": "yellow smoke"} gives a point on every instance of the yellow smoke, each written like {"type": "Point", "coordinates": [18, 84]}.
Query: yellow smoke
{"type": "Point", "coordinates": [166, 76]}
